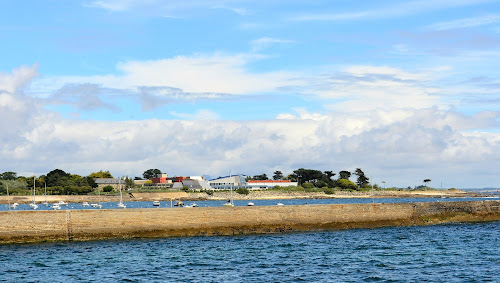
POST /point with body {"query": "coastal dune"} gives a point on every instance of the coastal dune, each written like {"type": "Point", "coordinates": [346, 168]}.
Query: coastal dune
{"type": "Point", "coordinates": [82, 225]}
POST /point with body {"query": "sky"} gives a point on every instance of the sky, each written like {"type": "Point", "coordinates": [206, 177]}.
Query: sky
{"type": "Point", "coordinates": [404, 90]}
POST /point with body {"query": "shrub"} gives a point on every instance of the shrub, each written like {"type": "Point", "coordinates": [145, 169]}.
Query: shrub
{"type": "Point", "coordinates": [107, 189]}
{"type": "Point", "coordinates": [313, 189]}
{"type": "Point", "coordinates": [346, 185]}
{"type": "Point", "coordinates": [308, 185]}
{"type": "Point", "coordinates": [321, 184]}
{"type": "Point", "coordinates": [365, 189]}
{"type": "Point", "coordinates": [328, 191]}
{"type": "Point", "coordinates": [242, 191]}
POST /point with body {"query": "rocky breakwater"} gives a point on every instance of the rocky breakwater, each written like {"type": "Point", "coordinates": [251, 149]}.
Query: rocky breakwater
{"type": "Point", "coordinates": [81, 225]}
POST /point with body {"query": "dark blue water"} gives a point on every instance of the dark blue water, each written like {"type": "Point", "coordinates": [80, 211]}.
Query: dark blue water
{"type": "Point", "coordinates": [213, 203]}
{"type": "Point", "coordinates": [443, 253]}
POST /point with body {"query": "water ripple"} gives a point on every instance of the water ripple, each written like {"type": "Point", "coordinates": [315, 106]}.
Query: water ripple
{"type": "Point", "coordinates": [452, 252]}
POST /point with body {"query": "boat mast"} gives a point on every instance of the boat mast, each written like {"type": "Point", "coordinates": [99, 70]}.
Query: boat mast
{"type": "Point", "coordinates": [99, 197]}
{"type": "Point", "coordinates": [8, 197]}
{"type": "Point", "coordinates": [33, 197]}
{"type": "Point", "coordinates": [120, 187]}
{"type": "Point", "coordinates": [231, 186]}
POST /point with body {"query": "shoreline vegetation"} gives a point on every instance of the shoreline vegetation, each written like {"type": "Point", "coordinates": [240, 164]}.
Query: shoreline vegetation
{"type": "Point", "coordinates": [252, 195]}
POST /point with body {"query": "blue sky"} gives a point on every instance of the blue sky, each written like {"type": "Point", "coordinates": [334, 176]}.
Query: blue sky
{"type": "Point", "coordinates": [405, 90]}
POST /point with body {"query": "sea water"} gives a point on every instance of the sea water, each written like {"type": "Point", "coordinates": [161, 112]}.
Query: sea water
{"type": "Point", "coordinates": [443, 253]}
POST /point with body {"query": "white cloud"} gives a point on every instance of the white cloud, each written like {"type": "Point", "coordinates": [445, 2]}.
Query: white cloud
{"type": "Point", "coordinates": [265, 42]}
{"type": "Point", "coordinates": [218, 76]}
{"type": "Point", "coordinates": [217, 73]}
{"type": "Point", "coordinates": [423, 140]}
{"type": "Point", "coordinates": [466, 23]}
{"type": "Point", "coordinates": [366, 88]}
{"type": "Point", "coordinates": [394, 10]}
{"type": "Point", "coordinates": [333, 16]}
{"type": "Point", "coordinates": [19, 78]}
{"type": "Point", "coordinates": [402, 146]}
{"type": "Point", "coordinates": [239, 11]}
{"type": "Point", "coordinates": [200, 115]}
{"type": "Point", "coordinates": [111, 5]}
{"type": "Point", "coordinates": [161, 7]}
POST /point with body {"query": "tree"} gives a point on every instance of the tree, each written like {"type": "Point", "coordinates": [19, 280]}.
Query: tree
{"type": "Point", "coordinates": [15, 187]}
{"type": "Point", "coordinates": [328, 178]}
{"type": "Point", "coordinates": [150, 173]}
{"type": "Point", "coordinates": [101, 174]}
{"type": "Point", "coordinates": [308, 175]}
{"type": "Point", "coordinates": [345, 184]}
{"type": "Point", "coordinates": [278, 175]}
{"type": "Point", "coordinates": [91, 182]}
{"type": "Point", "coordinates": [60, 182]}
{"type": "Point", "coordinates": [42, 179]}
{"type": "Point", "coordinates": [329, 174]}
{"type": "Point", "coordinates": [57, 177]}
{"type": "Point", "coordinates": [362, 180]}
{"type": "Point", "coordinates": [129, 183]}
{"type": "Point", "coordinates": [345, 175]}
{"type": "Point", "coordinates": [261, 177]}
{"type": "Point", "coordinates": [426, 181]}
{"type": "Point", "coordinates": [8, 176]}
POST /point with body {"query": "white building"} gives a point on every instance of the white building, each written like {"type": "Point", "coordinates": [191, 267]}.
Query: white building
{"type": "Point", "coordinates": [196, 184]}
{"type": "Point", "coordinates": [228, 182]}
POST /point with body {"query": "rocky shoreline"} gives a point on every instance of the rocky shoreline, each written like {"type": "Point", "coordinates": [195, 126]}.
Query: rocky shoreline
{"type": "Point", "coordinates": [321, 195]}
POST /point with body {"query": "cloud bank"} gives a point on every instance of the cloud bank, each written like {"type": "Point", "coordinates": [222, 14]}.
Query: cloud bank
{"type": "Point", "coordinates": [388, 144]}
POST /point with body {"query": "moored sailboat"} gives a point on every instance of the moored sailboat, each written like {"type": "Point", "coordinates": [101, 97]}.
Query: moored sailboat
{"type": "Point", "coordinates": [14, 205]}
{"type": "Point", "coordinates": [33, 204]}
{"type": "Point", "coordinates": [121, 204]}
{"type": "Point", "coordinates": [45, 202]}
{"type": "Point", "coordinates": [230, 202]}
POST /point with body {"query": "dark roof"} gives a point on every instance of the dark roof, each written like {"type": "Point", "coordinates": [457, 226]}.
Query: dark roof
{"type": "Point", "coordinates": [107, 181]}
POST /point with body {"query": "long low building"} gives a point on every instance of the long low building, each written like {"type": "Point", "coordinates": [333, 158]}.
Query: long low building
{"type": "Point", "coordinates": [113, 182]}
{"type": "Point", "coordinates": [228, 182]}
{"type": "Point", "coordinates": [238, 181]}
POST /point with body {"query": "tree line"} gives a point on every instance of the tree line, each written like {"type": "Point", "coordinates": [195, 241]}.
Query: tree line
{"type": "Point", "coordinates": [319, 179]}
{"type": "Point", "coordinates": [57, 182]}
